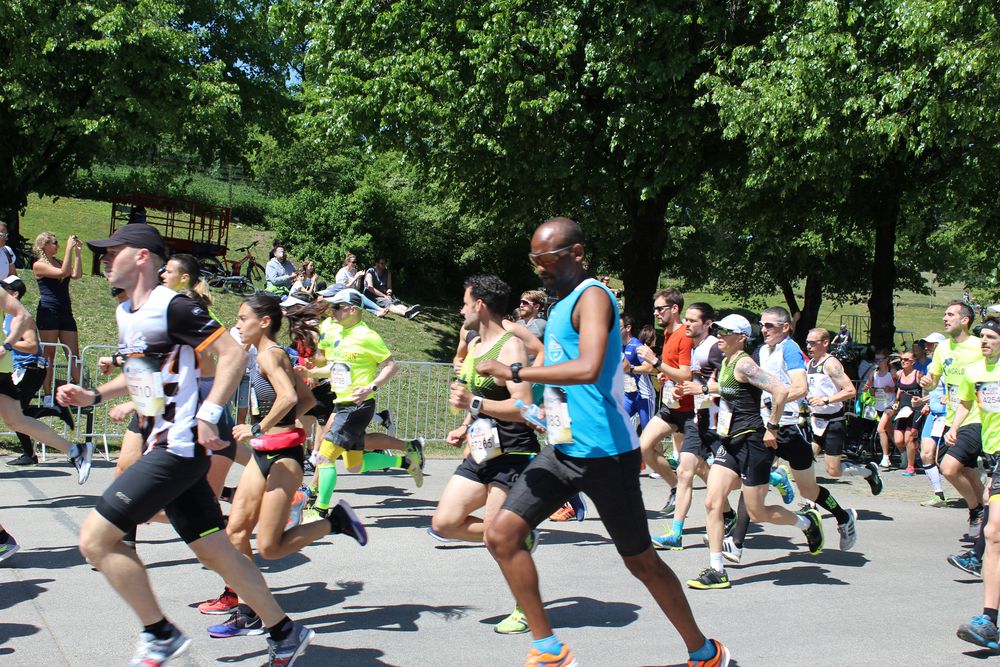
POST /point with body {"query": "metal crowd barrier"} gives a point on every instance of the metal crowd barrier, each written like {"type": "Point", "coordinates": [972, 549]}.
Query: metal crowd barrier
{"type": "Point", "coordinates": [417, 398]}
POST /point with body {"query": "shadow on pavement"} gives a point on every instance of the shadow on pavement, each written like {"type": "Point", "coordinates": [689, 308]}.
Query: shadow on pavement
{"type": "Point", "coordinates": [287, 563]}
{"type": "Point", "coordinates": [379, 490]}
{"type": "Point", "coordinates": [869, 515]}
{"type": "Point", "coordinates": [391, 618]}
{"type": "Point", "coordinates": [10, 630]}
{"type": "Point", "coordinates": [37, 473]}
{"type": "Point", "coordinates": [584, 612]}
{"type": "Point", "coordinates": [831, 557]}
{"type": "Point", "coordinates": [306, 598]}
{"type": "Point", "coordinates": [398, 521]}
{"type": "Point", "coordinates": [324, 655]}
{"type": "Point", "coordinates": [21, 591]}
{"type": "Point", "coordinates": [49, 558]}
{"type": "Point", "coordinates": [793, 576]}
{"type": "Point", "coordinates": [580, 539]}
{"type": "Point", "coordinates": [57, 502]}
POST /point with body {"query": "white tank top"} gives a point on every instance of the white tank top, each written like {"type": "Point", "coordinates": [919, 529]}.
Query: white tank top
{"type": "Point", "coordinates": [883, 387]}
{"type": "Point", "coordinates": [822, 385]}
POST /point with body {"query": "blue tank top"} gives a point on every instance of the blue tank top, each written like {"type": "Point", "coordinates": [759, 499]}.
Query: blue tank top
{"type": "Point", "coordinates": [24, 359]}
{"type": "Point", "coordinates": [598, 422]}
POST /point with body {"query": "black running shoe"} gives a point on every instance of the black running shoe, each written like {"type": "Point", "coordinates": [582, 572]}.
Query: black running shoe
{"type": "Point", "coordinates": [814, 533]}
{"type": "Point", "coordinates": [708, 579]}
{"type": "Point", "coordinates": [875, 479]}
{"type": "Point", "coordinates": [24, 460]}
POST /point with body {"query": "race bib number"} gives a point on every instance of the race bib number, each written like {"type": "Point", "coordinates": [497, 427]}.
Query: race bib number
{"type": "Point", "coordinates": [669, 399]}
{"type": "Point", "coordinates": [145, 385]}
{"type": "Point", "coordinates": [937, 428]}
{"type": "Point", "coordinates": [484, 440]}
{"type": "Point", "coordinates": [904, 412]}
{"type": "Point", "coordinates": [725, 420]}
{"type": "Point", "coordinates": [702, 402]}
{"type": "Point", "coordinates": [558, 430]}
{"type": "Point", "coordinates": [819, 425]}
{"type": "Point", "coordinates": [988, 395]}
{"type": "Point", "coordinates": [881, 399]}
{"type": "Point", "coordinates": [340, 377]}
{"type": "Point", "coordinates": [630, 384]}
{"type": "Point", "coordinates": [869, 412]}
{"type": "Point", "coordinates": [17, 375]}
{"type": "Point", "coordinates": [953, 399]}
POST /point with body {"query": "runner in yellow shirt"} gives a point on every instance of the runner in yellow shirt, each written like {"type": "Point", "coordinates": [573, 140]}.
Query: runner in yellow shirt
{"type": "Point", "coordinates": [980, 391]}
{"type": "Point", "coordinates": [951, 358]}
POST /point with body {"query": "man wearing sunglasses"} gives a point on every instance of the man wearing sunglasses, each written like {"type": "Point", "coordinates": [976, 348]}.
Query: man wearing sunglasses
{"type": "Point", "coordinates": [781, 357]}
{"type": "Point", "coordinates": [529, 310]}
{"type": "Point", "coordinates": [593, 449]}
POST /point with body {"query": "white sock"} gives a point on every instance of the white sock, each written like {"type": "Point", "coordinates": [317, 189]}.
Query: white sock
{"type": "Point", "coordinates": [854, 470]}
{"type": "Point", "coordinates": [934, 477]}
{"type": "Point", "coordinates": [716, 562]}
{"type": "Point", "coordinates": [801, 522]}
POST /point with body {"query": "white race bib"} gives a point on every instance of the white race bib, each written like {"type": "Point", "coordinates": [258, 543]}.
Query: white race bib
{"type": "Point", "coordinates": [904, 412]}
{"type": "Point", "coordinates": [819, 425]}
{"type": "Point", "coordinates": [953, 400]}
{"type": "Point", "coordinates": [702, 402]}
{"type": "Point", "coordinates": [145, 385]}
{"type": "Point", "coordinates": [937, 428]}
{"type": "Point", "coordinates": [668, 396]}
{"type": "Point", "coordinates": [340, 377]}
{"type": "Point", "coordinates": [881, 398]}
{"type": "Point", "coordinates": [558, 430]}
{"type": "Point", "coordinates": [988, 395]}
{"type": "Point", "coordinates": [484, 440]}
{"type": "Point", "coordinates": [630, 384]}
{"type": "Point", "coordinates": [725, 420]}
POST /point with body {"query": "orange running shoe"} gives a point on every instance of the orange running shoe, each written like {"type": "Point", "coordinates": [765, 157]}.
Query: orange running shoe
{"type": "Point", "coordinates": [720, 659]}
{"type": "Point", "coordinates": [564, 659]}
{"type": "Point", "coordinates": [564, 513]}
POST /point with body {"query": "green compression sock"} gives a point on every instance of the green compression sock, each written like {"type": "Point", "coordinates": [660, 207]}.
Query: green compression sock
{"type": "Point", "coordinates": [327, 473]}
{"type": "Point", "coordinates": [378, 461]}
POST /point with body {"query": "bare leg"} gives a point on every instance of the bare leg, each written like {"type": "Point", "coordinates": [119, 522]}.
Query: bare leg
{"type": "Point", "coordinates": [453, 516]}
{"type": "Point", "coordinates": [505, 540]}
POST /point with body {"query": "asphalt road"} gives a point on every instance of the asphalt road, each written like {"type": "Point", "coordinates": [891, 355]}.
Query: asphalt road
{"type": "Point", "coordinates": [407, 600]}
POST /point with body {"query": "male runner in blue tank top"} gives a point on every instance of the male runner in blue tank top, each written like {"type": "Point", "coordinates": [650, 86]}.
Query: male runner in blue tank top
{"type": "Point", "coordinates": [594, 449]}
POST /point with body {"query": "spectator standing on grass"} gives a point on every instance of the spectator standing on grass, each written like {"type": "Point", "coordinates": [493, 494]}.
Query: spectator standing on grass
{"type": "Point", "coordinates": [378, 287]}
{"type": "Point", "coordinates": [349, 277]}
{"type": "Point", "coordinates": [54, 317]}
{"type": "Point", "coordinates": [280, 272]}
{"type": "Point", "coordinates": [7, 257]}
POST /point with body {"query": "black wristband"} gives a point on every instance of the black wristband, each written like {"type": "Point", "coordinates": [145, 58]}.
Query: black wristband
{"type": "Point", "coordinates": [98, 399]}
{"type": "Point", "coordinates": [659, 362]}
{"type": "Point", "coordinates": [117, 360]}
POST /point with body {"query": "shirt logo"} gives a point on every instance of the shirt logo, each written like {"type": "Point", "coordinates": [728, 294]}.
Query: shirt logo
{"type": "Point", "coordinates": [555, 350]}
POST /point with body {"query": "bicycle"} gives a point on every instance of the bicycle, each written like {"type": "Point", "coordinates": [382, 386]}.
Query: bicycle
{"type": "Point", "coordinates": [231, 280]}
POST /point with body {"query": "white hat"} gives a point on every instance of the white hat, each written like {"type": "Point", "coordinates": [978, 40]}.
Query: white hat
{"type": "Point", "coordinates": [351, 297]}
{"type": "Point", "coordinates": [935, 338]}
{"type": "Point", "coordinates": [290, 301]}
{"type": "Point", "coordinates": [735, 323]}
{"type": "Point", "coordinates": [993, 311]}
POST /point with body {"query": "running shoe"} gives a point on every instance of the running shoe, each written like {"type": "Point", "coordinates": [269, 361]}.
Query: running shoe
{"type": "Point", "coordinates": [579, 506]}
{"type": "Point", "coordinates": [729, 523]}
{"type": "Point", "coordinates": [720, 659]}
{"type": "Point", "coordinates": [564, 513]}
{"type": "Point", "coordinates": [968, 563]}
{"type": "Point", "coordinates": [24, 460]}
{"type": "Point", "coordinates": [153, 652]}
{"type": "Point", "coordinates": [708, 579]}
{"type": "Point", "coordinates": [515, 624]}
{"type": "Point", "coordinates": [673, 462]}
{"type": "Point", "coordinates": [284, 653]}
{"type": "Point", "coordinates": [8, 547]}
{"type": "Point", "coordinates": [349, 522]}
{"type": "Point", "coordinates": [935, 501]}
{"type": "Point", "coordinates": [439, 537]}
{"type": "Point", "coordinates": [975, 527]}
{"type": "Point", "coordinates": [239, 624]}
{"type": "Point", "coordinates": [814, 533]}
{"type": "Point", "coordinates": [299, 501]}
{"type": "Point", "coordinates": [415, 452]}
{"type": "Point", "coordinates": [412, 312]}
{"type": "Point", "coordinates": [669, 541]}
{"type": "Point", "coordinates": [909, 472]}
{"type": "Point", "coordinates": [981, 631]}
{"type": "Point", "coordinates": [531, 541]}
{"type": "Point", "coordinates": [730, 551]}
{"type": "Point", "coordinates": [538, 659]}
{"type": "Point", "coordinates": [655, 475]}
{"type": "Point", "coordinates": [387, 423]}
{"type": "Point", "coordinates": [668, 509]}
{"type": "Point", "coordinates": [80, 456]}
{"type": "Point", "coordinates": [223, 604]}
{"type": "Point", "coordinates": [875, 479]}
{"type": "Point", "coordinates": [779, 480]}
{"type": "Point", "coordinates": [848, 530]}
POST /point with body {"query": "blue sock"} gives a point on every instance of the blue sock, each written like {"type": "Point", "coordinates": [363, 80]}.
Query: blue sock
{"type": "Point", "coordinates": [678, 528]}
{"type": "Point", "coordinates": [548, 645]}
{"type": "Point", "coordinates": [706, 652]}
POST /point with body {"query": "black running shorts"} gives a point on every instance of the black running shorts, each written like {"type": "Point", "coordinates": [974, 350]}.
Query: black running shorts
{"type": "Point", "coordinates": [747, 456]}
{"type": "Point", "coordinates": [832, 441]}
{"type": "Point", "coordinates": [158, 481]}
{"type": "Point", "coordinates": [698, 438]}
{"type": "Point", "coordinates": [350, 422]}
{"type": "Point", "coordinates": [611, 483]}
{"type": "Point", "coordinates": [674, 418]}
{"type": "Point", "coordinates": [502, 471]}
{"type": "Point", "coordinates": [267, 459]}
{"type": "Point", "coordinates": [792, 447]}
{"type": "Point", "coordinates": [7, 386]}
{"type": "Point", "coordinates": [968, 445]}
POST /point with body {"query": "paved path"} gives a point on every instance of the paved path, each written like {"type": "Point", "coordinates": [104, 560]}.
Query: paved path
{"type": "Point", "coordinates": [406, 600]}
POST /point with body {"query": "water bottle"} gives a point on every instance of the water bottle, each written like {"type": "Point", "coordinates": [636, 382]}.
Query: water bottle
{"type": "Point", "coordinates": [451, 408]}
{"type": "Point", "coordinates": [531, 413]}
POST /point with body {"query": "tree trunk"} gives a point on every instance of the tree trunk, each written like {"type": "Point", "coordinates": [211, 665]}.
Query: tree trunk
{"type": "Point", "coordinates": [812, 299]}
{"type": "Point", "coordinates": [643, 257]}
{"type": "Point", "coordinates": [884, 210]}
{"type": "Point", "coordinates": [11, 200]}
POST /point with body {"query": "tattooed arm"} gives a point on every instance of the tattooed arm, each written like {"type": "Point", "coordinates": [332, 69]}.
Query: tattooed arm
{"type": "Point", "coordinates": [748, 371]}
{"type": "Point", "coordinates": [835, 370]}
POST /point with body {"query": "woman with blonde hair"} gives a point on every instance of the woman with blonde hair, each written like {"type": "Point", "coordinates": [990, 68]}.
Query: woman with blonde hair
{"type": "Point", "coordinates": [349, 276]}
{"type": "Point", "coordinates": [54, 316]}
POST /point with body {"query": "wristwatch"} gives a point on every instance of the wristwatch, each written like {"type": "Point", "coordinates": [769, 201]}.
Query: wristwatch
{"type": "Point", "coordinates": [515, 371]}
{"type": "Point", "coordinates": [704, 389]}
{"type": "Point", "coordinates": [8, 347]}
{"type": "Point", "coordinates": [255, 430]}
{"type": "Point", "coordinates": [374, 387]}
{"type": "Point", "coordinates": [476, 405]}
{"type": "Point", "coordinates": [771, 427]}
{"type": "Point", "coordinates": [826, 400]}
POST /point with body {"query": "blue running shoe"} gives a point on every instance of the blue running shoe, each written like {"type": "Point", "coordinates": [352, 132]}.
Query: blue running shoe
{"type": "Point", "coordinates": [669, 541]}
{"type": "Point", "coordinates": [438, 536]}
{"type": "Point", "coordinates": [241, 623]}
{"type": "Point", "coordinates": [284, 653]}
{"type": "Point", "coordinates": [967, 562]}
{"type": "Point", "coordinates": [579, 506]}
{"type": "Point", "coordinates": [779, 480]}
{"type": "Point", "coordinates": [981, 631]}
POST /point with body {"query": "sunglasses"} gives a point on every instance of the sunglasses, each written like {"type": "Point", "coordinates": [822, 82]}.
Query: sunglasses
{"type": "Point", "coordinates": [771, 325]}
{"type": "Point", "coordinates": [525, 302]}
{"type": "Point", "coordinates": [813, 343]}
{"type": "Point", "coordinates": [725, 332]}
{"type": "Point", "coordinates": [549, 257]}
{"type": "Point", "coordinates": [660, 309]}
{"type": "Point", "coordinates": [879, 359]}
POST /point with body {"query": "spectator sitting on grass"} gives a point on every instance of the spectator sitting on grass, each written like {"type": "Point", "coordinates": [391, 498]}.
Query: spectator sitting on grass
{"type": "Point", "coordinates": [349, 276]}
{"type": "Point", "coordinates": [308, 281]}
{"type": "Point", "coordinates": [378, 287]}
{"type": "Point", "coordinates": [280, 272]}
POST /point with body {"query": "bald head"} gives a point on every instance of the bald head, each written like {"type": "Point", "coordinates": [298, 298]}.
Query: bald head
{"type": "Point", "coordinates": [560, 232]}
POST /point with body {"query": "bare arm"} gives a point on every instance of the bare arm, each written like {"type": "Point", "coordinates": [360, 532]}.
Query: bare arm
{"type": "Point", "coordinates": [676, 374]}
{"type": "Point", "coordinates": [28, 343]}
{"type": "Point", "coordinates": [229, 371]}
{"type": "Point", "coordinates": [532, 345]}
{"type": "Point", "coordinates": [835, 370]}
{"type": "Point", "coordinates": [20, 321]}
{"type": "Point", "coordinates": [77, 263]}
{"type": "Point", "coordinates": [748, 371]}
{"type": "Point", "coordinates": [799, 385]}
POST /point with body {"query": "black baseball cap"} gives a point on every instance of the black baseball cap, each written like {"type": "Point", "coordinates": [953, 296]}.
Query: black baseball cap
{"type": "Point", "coordinates": [135, 236]}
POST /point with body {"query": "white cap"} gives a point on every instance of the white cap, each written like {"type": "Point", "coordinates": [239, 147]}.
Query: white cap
{"type": "Point", "coordinates": [290, 301]}
{"type": "Point", "coordinates": [993, 311]}
{"type": "Point", "coordinates": [735, 323]}
{"type": "Point", "coordinates": [935, 338]}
